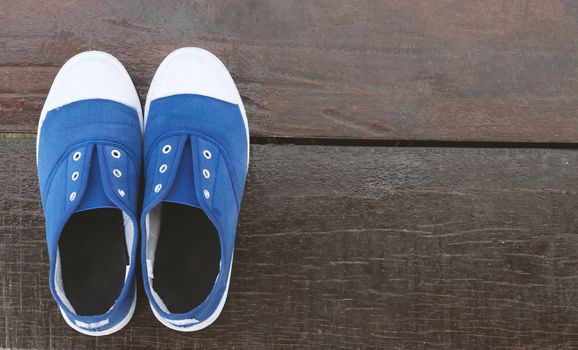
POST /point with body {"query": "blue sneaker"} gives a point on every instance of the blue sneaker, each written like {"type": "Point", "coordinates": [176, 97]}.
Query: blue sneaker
{"type": "Point", "coordinates": [89, 161]}
{"type": "Point", "coordinates": [196, 159]}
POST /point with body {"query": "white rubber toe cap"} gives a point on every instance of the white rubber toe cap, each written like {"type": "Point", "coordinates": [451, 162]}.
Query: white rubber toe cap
{"type": "Point", "coordinates": [92, 75]}
{"type": "Point", "coordinates": [192, 70]}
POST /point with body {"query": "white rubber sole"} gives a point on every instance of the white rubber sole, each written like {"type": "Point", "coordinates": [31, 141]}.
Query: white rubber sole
{"type": "Point", "coordinates": [192, 70]}
{"type": "Point", "coordinates": [200, 325]}
{"type": "Point", "coordinates": [90, 75]}
{"type": "Point", "coordinates": [111, 330]}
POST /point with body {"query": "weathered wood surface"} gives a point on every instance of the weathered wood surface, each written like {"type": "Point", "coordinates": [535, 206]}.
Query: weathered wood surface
{"type": "Point", "coordinates": [350, 247]}
{"type": "Point", "coordinates": [484, 70]}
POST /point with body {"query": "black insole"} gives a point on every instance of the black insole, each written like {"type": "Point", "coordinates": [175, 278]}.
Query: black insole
{"type": "Point", "coordinates": [187, 257]}
{"type": "Point", "coordinates": [93, 258]}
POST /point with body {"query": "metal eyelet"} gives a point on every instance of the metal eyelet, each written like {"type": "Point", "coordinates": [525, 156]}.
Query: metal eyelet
{"type": "Point", "coordinates": [207, 154]}
{"type": "Point", "coordinates": [121, 192]}
{"type": "Point", "coordinates": [72, 196]}
{"type": "Point", "coordinates": [115, 153]}
{"type": "Point", "coordinates": [76, 156]}
{"type": "Point", "coordinates": [207, 194]}
{"type": "Point", "coordinates": [167, 149]}
{"type": "Point", "coordinates": [163, 168]}
{"type": "Point", "coordinates": [75, 175]}
{"type": "Point", "coordinates": [206, 173]}
{"type": "Point", "coordinates": [158, 188]}
{"type": "Point", "coordinates": [117, 173]}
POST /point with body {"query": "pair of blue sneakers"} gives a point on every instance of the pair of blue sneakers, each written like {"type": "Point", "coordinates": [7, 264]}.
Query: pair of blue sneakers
{"type": "Point", "coordinates": [191, 152]}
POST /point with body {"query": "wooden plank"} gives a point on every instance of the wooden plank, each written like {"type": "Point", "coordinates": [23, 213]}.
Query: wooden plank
{"type": "Point", "coordinates": [489, 70]}
{"type": "Point", "coordinates": [350, 247]}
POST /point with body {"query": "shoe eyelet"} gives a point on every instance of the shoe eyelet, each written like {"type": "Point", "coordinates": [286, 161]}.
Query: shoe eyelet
{"type": "Point", "coordinates": [117, 173]}
{"type": "Point", "coordinates": [207, 154]}
{"type": "Point", "coordinates": [75, 175]}
{"type": "Point", "coordinates": [72, 196]}
{"type": "Point", "coordinates": [76, 156]}
{"type": "Point", "coordinates": [115, 153]}
{"type": "Point", "coordinates": [206, 173]}
{"type": "Point", "coordinates": [207, 194]}
{"type": "Point", "coordinates": [121, 192]}
{"type": "Point", "coordinates": [167, 149]}
{"type": "Point", "coordinates": [163, 168]}
{"type": "Point", "coordinates": [158, 188]}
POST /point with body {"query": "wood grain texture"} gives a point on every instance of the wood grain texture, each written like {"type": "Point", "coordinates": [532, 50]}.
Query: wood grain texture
{"type": "Point", "coordinates": [481, 70]}
{"type": "Point", "coordinates": [350, 247]}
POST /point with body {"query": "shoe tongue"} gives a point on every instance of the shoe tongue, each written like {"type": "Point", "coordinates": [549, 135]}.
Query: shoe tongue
{"type": "Point", "coordinates": [94, 196]}
{"type": "Point", "coordinates": [183, 188]}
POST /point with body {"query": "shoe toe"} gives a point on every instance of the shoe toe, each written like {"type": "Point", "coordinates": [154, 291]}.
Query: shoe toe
{"type": "Point", "coordinates": [192, 70]}
{"type": "Point", "coordinates": [92, 75]}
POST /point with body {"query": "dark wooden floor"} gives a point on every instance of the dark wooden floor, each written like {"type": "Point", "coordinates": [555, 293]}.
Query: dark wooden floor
{"type": "Point", "coordinates": [465, 239]}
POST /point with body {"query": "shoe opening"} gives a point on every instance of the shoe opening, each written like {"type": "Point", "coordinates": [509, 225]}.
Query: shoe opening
{"type": "Point", "coordinates": [186, 256]}
{"type": "Point", "coordinates": [93, 260]}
